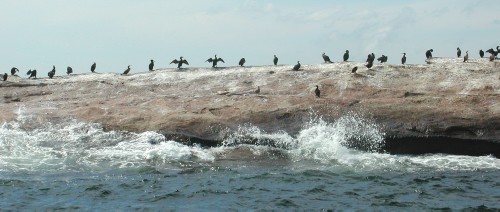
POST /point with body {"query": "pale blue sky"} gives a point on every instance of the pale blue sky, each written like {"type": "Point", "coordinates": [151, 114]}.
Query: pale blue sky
{"type": "Point", "coordinates": [116, 33]}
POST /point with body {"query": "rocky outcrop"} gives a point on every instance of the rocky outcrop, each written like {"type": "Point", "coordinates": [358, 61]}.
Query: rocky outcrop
{"type": "Point", "coordinates": [444, 98]}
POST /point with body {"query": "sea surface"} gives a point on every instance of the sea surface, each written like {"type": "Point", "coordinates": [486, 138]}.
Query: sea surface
{"type": "Point", "coordinates": [72, 165]}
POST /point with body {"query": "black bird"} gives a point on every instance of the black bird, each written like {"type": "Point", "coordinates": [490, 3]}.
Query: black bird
{"type": "Point", "coordinates": [69, 70]}
{"type": "Point", "coordinates": [466, 57]}
{"type": "Point", "coordinates": [126, 71]}
{"type": "Point", "coordinates": [92, 68]}
{"type": "Point", "coordinates": [31, 73]}
{"type": "Point", "coordinates": [369, 65]}
{"type": "Point", "coordinates": [258, 90]}
{"type": "Point", "coordinates": [346, 55]}
{"type": "Point", "coordinates": [275, 61]}
{"type": "Point", "coordinates": [13, 70]}
{"type": "Point", "coordinates": [459, 52]}
{"type": "Point", "coordinates": [491, 51]}
{"type": "Point", "coordinates": [354, 69]}
{"type": "Point", "coordinates": [403, 59]}
{"type": "Point", "coordinates": [52, 73]}
{"type": "Point", "coordinates": [317, 91]}
{"type": "Point", "coordinates": [481, 53]}
{"type": "Point", "coordinates": [242, 62]}
{"type": "Point", "coordinates": [326, 58]}
{"type": "Point", "coordinates": [179, 62]}
{"type": "Point", "coordinates": [214, 61]}
{"type": "Point", "coordinates": [382, 59]}
{"type": "Point", "coordinates": [151, 65]}
{"type": "Point", "coordinates": [5, 77]}
{"type": "Point", "coordinates": [370, 58]}
{"type": "Point", "coordinates": [296, 67]}
{"type": "Point", "coordinates": [428, 54]}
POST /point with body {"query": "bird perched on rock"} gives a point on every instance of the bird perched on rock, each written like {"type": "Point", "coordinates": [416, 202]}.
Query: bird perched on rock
{"type": "Point", "coordinates": [179, 62]}
{"type": "Point", "coordinates": [382, 59]}
{"type": "Point", "coordinates": [370, 58]}
{"type": "Point", "coordinates": [92, 68]}
{"type": "Point", "coordinates": [5, 76]}
{"type": "Point", "coordinates": [52, 73]}
{"type": "Point", "coordinates": [354, 69]}
{"type": "Point", "coordinates": [258, 90]}
{"type": "Point", "coordinates": [466, 57]}
{"type": "Point", "coordinates": [31, 74]}
{"type": "Point", "coordinates": [459, 52]}
{"type": "Point", "coordinates": [242, 62]}
{"type": "Point", "coordinates": [275, 60]}
{"type": "Point", "coordinates": [13, 71]}
{"type": "Point", "coordinates": [317, 92]}
{"type": "Point", "coordinates": [297, 66]}
{"type": "Point", "coordinates": [126, 71]}
{"type": "Point", "coordinates": [481, 53]}
{"type": "Point", "coordinates": [69, 70]}
{"type": "Point", "coordinates": [326, 58]}
{"type": "Point", "coordinates": [151, 65]}
{"type": "Point", "coordinates": [428, 53]}
{"type": "Point", "coordinates": [346, 55]}
{"type": "Point", "coordinates": [403, 59]}
{"type": "Point", "coordinates": [214, 61]}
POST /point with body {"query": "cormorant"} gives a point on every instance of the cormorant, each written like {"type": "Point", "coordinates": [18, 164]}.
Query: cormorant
{"type": "Point", "coordinates": [126, 71]}
{"type": "Point", "coordinates": [52, 73]}
{"type": "Point", "coordinates": [179, 62]}
{"type": "Point", "coordinates": [242, 62]}
{"type": "Point", "coordinates": [275, 61]}
{"type": "Point", "coordinates": [92, 68]}
{"type": "Point", "coordinates": [214, 61]}
{"type": "Point", "coordinates": [5, 77]}
{"type": "Point", "coordinates": [428, 53]}
{"type": "Point", "coordinates": [151, 65]}
{"type": "Point", "coordinates": [382, 59]}
{"type": "Point", "coordinates": [481, 53]}
{"type": "Point", "coordinates": [346, 55]}
{"type": "Point", "coordinates": [296, 67]}
{"type": "Point", "coordinates": [326, 58]}
{"type": "Point", "coordinates": [31, 73]}
{"type": "Point", "coordinates": [370, 58]}
{"type": "Point", "coordinates": [492, 57]}
{"type": "Point", "coordinates": [466, 57]}
{"type": "Point", "coordinates": [69, 70]}
{"type": "Point", "coordinates": [13, 70]}
{"type": "Point", "coordinates": [258, 90]}
{"type": "Point", "coordinates": [403, 59]}
{"type": "Point", "coordinates": [459, 52]}
{"type": "Point", "coordinates": [354, 69]}
{"type": "Point", "coordinates": [317, 91]}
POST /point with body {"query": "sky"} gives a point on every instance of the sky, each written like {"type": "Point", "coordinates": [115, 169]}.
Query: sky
{"type": "Point", "coordinates": [36, 34]}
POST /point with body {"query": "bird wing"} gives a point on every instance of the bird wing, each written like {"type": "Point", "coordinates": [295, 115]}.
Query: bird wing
{"type": "Point", "coordinates": [174, 61]}
{"type": "Point", "coordinates": [209, 60]}
{"type": "Point", "coordinates": [220, 60]}
{"type": "Point", "coordinates": [185, 62]}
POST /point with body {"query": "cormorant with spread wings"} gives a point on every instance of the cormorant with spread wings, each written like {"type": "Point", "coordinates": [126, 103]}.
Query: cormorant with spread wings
{"type": "Point", "coordinates": [214, 61]}
{"type": "Point", "coordinates": [179, 62]}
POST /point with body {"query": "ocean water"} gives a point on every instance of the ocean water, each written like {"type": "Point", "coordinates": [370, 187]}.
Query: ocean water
{"type": "Point", "coordinates": [72, 165]}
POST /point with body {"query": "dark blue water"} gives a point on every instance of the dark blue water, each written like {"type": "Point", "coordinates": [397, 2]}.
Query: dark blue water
{"type": "Point", "coordinates": [78, 166]}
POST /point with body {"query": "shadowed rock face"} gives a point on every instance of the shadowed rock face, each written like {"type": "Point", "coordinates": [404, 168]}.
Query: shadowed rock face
{"type": "Point", "coordinates": [444, 98]}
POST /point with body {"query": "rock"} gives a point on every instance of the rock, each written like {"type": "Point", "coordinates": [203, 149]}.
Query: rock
{"type": "Point", "coordinates": [444, 98]}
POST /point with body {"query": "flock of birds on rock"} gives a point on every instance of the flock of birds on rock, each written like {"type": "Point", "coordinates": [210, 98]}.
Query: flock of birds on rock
{"type": "Point", "coordinates": [369, 63]}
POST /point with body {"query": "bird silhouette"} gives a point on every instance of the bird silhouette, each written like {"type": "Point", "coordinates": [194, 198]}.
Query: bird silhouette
{"type": "Point", "coordinates": [69, 70]}
{"type": "Point", "coordinates": [52, 73]}
{"type": "Point", "coordinates": [126, 71]}
{"type": "Point", "coordinates": [459, 52]}
{"type": "Point", "coordinates": [214, 61]}
{"type": "Point", "coordinates": [326, 58]}
{"type": "Point", "coordinates": [466, 57]}
{"type": "Point", "coordinates": [13, 70]}
{"type": "Point", "coordinates": [317, 91]}
{"type": "Point", "coordinates": [346, 55]}
{"type": "Point", "coordinates": [179, 62]}
{"type": "Point", "coordinates": [275, 60]}
{"type": "Point", "coordinates": [151, 65]}
{"type": "Point", "coordinates": [242, 62]}
{"type": "Point", "coordinates": [92, 68]}
{"type": "Point", "coordinates": [297, 66]}
{"type": "Point", "coordinates": [481, 53]}
{"type": "Point", "coordinates": [403, 59]}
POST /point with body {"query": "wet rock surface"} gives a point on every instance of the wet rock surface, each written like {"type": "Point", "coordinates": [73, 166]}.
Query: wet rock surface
{"type": "Point", "coordinates": [446, 98]}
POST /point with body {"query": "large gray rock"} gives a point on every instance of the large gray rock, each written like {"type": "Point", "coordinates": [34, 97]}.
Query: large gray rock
{"type": "Point", "coordinates": [444, 98]}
